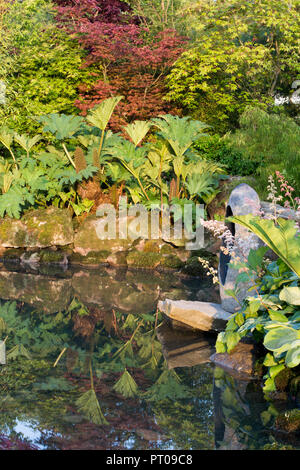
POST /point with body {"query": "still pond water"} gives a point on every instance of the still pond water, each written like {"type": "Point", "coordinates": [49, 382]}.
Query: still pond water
{"type": "Point", "coordinates": [90, 365]}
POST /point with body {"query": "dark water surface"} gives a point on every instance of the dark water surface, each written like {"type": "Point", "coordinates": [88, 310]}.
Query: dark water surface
{"type": "Point", "coordinates": [90, 365]}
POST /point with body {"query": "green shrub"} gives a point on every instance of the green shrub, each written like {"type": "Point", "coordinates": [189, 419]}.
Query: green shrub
{"type": "Point", "coordinates": [219, 150]}
{"type": "Point", "coordinates": [40, 65]}
{"type": "Point", "coordinates": [273, 138]}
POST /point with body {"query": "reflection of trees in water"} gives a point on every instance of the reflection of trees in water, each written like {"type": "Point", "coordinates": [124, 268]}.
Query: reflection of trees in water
{"type": "Point", "coordinates": [109, 368]}
{"type": "Point", "coordinates": [244, 419]}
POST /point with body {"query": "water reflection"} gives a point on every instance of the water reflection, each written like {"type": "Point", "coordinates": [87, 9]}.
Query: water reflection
{"type": "Point", "coordinates": [91, 365]}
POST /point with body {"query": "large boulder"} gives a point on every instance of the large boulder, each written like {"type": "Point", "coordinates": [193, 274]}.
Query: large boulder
{"type": "Point", "coordinates": [37, 229]}
{"type": "Point", "coordinates": [87, 239]}
{"type": "Point", "coordinates": [243, 200]}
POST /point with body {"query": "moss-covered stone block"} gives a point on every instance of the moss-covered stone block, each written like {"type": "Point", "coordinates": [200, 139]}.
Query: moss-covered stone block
{"type": "Point", "coordinates": [87, 239]}
{"type": "Point", "coordinates": [53, 257]}
{"type": "Point", "coordinates": [118, 259]}
{"type": "Point", "coordinates": [171, 262]}
{"type": "Point", "coordinates": [91, 258]}
{"type": "Point", "coordinates": [38, 229]}
{"type": "Point", "coordinates": [151, 246]}
{"type": "Point", "coordinates": [194, 268]}
{"type": "Point", "coordinates": [144, 260]}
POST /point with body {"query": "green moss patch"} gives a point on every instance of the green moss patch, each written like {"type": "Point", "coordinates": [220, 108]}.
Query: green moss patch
{"type": "Point", "coordinates": [143, 260]}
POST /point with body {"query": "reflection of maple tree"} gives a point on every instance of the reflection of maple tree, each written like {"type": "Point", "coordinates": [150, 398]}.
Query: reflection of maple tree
{"type": "Point", "coordinates": [124, 58]}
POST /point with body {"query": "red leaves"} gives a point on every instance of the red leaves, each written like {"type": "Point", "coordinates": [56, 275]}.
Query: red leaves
{"type": "Point", "coordinates": [127, 59]}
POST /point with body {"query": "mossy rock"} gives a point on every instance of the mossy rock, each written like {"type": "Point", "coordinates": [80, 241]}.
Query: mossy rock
{"type": "Point", "coordinates": [12, 254]}
{"type": "Point", "coordinates": [172, 262]}
{"type": "Point", "coordinates": [167, 249]}
{"type": "Point", "coordinates": [53, 257]}
{"type": "Point", "coordinates": [118, 259]}
{"type": "Point", "coordinates": [283, 379]}
{"type": "Point", "coordinates": [194, 268]}
{"type": "Point", "coordinates": [289, 421]}
{"type": "Point", "coordinates": [151, 246]}
{"type": "Point", "coordinates": [86, 239]}
{"type": "Point", "coordinates": [92, 258]}
{"type": "Point", "coordinates": [40, 228]}
{"type": "Point", "coordinates": [140, 259]}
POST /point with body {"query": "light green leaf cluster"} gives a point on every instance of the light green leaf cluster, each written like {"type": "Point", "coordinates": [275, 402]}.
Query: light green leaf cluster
{"type": "Point", "coordinates": [244, 53]}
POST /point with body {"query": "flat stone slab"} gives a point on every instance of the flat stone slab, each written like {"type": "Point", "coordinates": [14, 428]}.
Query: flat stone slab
{"type": "Point", "coordinates": [283, 212]}
{"type": "Point", "coordinates": [203, 316]}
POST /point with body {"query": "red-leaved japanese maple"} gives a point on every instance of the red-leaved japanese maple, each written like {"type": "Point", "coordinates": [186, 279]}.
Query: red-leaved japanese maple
{"type": "Point", "coordinates": [123, 57]}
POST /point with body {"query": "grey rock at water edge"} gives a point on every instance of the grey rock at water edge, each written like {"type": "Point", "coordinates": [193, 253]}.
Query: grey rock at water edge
{"type": "Point", "coordinates": [241, 361]}
{"type": "Point", "coordinates": [268, 210]}
{"type": "Point", "coordinates": [203, 316]}
{"type": "Point", "coordinates": [242, 201]}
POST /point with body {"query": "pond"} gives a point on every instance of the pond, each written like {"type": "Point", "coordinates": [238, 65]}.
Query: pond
{"type": "Point", "coordinates": [90, 364]}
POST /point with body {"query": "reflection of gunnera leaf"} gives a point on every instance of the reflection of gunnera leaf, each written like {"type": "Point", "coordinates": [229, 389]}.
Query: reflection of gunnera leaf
{"type": "Point", "coordinates": [126, 385]}
{"type": "Point", "coordinates": [88, 405]}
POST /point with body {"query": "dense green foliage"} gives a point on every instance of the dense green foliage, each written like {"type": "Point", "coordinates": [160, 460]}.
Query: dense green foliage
{"type": "Point", "coordinates": [164, 170]}
{"type": "Point", "coordinates": [40, 64]}
{"type": "Point", "coordinates": [245, 53]}
{"type": "Point", "coordinates": [271, 314]}
{"type": "Point", "coordinates": [220, 150]}
{"type": "Point", "coordinates": [273, 139]}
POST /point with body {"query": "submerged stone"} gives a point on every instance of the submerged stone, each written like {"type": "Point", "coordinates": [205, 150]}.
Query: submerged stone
{"type": "Point", "coordinates": [146, 260]}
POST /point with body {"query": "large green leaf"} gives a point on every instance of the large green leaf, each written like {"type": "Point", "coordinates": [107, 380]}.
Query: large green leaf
{"type": "Point", "coordinates": [26, 142]}
{"type": "Point", "coordinates": [101, 114]}
{"type": "Point", "coordinates": [282, 238]}
{"type": "Point", "coordinates": [291, 295]}
{"type": "Point", "coordinates": [180, 132]}
{"type": "Point", "coordinates": [6, 137]}
{"type": "Point", "coordinates": [280, 339]}
{"type": "Point", "coordinates": [60, 125]}
{"type": "Point", "coordinates": [292, 358]}
{"type": "Point", "coordinates": [137, 131]}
